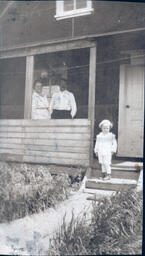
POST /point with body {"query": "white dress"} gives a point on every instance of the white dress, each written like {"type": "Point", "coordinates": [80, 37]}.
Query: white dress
{"type": "Point", "coordinates": [105, 145]}
{"type": "Point", "coordinates": [40, 107]}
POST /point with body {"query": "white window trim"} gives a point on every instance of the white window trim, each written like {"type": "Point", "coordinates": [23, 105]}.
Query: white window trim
{"type": "Point", "coordinates": [61, 14]}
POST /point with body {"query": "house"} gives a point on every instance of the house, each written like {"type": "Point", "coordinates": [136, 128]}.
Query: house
{"type": "Point", "coordinates": [100, 48]}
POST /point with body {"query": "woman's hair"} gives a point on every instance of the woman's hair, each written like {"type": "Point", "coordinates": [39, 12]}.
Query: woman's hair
{"type": "Point", "coordinates": [36, 81]}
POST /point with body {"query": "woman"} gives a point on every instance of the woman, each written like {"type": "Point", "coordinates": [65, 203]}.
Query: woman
{"type": "Point", "coordinates": [40, 107]}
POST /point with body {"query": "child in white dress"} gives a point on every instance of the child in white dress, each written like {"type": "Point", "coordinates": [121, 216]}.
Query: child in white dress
{"type": "Point", "coordinates": [105, 146]}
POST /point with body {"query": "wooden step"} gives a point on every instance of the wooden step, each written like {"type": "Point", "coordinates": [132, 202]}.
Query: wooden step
{"type": "Point", "coordinates": [113, 184]}
{"type": "Point", "coordinates": [134, 166]}
{"type": "Point", "coordinates": [120, 174]}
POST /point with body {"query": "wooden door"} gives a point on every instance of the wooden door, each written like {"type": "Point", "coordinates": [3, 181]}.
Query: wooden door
{"type": "Point", "coordinates": [131, 111]}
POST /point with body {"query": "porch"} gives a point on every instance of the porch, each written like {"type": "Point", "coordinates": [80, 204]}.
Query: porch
{"type": "Point", "coordinates": [101, 78]}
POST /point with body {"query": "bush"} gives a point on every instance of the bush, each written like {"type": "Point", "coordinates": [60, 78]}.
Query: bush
{"type": "Point", "coordinates": [27, 189]}
{"type": "Point", "coordinates": [115, 228]}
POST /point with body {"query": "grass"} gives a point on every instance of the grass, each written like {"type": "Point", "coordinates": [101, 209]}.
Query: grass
{"type": "Point", "coordinates": [26, 189]}
{"type": "Point", "coordinates": [115, 228]}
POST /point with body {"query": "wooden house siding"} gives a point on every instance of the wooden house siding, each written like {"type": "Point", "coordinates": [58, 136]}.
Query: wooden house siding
{"type": "Point", "coordinates": [65, 142]}
{"type": "Point", "coordinates": [28, 22]}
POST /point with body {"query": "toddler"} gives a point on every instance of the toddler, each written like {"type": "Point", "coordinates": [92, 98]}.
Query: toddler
{"type": "Point", "coordinates": [105, 146]}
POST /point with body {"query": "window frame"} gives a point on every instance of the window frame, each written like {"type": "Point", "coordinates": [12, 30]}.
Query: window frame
{"type": "Point", "coordinates": [61, 14]}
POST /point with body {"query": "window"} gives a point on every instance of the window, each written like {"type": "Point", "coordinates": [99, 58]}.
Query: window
{"type": "Point", "coordinates": [72, 8]}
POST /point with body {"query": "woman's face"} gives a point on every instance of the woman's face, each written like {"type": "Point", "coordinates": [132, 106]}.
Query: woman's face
{"type": "Point", "coordinates": [38, 88]}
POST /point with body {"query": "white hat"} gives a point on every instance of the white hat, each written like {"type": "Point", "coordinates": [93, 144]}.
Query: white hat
{"type": "Point", "coordinates": [106, 122]}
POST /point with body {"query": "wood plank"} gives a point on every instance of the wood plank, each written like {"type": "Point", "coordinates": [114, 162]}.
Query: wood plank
{"type": "Point", "coordinates": [50, 148]}
{"type": "Point", "coordinates": [11, 145]}
{"type": "Point", "coordinates": [91, 107]}
{"type": "Point", "coordinates": [60, 161]}
{"type": "Point", "coordinates": [11, 140]}
{"type": "Point", "coordinates": [28, 86]}
{"type": "Point", "coordinates": [58, 143]}
{"type": "Point", "coordinates": [11, 122]}
{"type": "Point", "coordinates": [11, 157]}
{"type": "Point", "coordinates": [11, 151]}
{"type": "Point", "coordinates": [64, 136]}
{"type": "Point", "coordinates": [55, 129]}
{"type": "Point", "coordinates": [54, 136]}
{"type": "Point", "coordinates": [11, 129]}
{"type": "Point", "coordinates": [46, 47]}
{"type": "Point", "coordinates": [107, 186]}
{"type": "Point", "coordinates": [51, 122]}
{"type": "Point", "coordinates": [12, 135]}
{"type": "Point", "coordinates": [80, 156]}
{"type": "Point", "coordinates": [57, 122]}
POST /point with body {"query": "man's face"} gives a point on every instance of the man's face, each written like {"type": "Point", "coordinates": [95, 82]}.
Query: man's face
{"type": "Point", "coordinates": [105, 128]}
{"type": "Point", "coordinates": [38, 87]}
{"type": "Point", "coordinates": [63, 86]}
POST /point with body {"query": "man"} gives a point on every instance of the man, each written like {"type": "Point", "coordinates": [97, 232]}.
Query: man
{"type": "Point", "coordinates": [63, 105]}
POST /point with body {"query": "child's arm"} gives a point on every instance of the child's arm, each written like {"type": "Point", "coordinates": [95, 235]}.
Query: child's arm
{"type": "Point", "coordinates": [96, 146]}
{"type": "Point", "coordinates": [114, 144]}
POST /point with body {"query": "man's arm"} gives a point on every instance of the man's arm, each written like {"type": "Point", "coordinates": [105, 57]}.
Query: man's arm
{"type": "Point", "coordinates": [73, 106]}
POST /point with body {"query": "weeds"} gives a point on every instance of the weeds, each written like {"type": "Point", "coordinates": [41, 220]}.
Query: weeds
{"type": "Point", "coordinates": [115, 228]}
{"type": "Point", "coordinates": [27, 189]}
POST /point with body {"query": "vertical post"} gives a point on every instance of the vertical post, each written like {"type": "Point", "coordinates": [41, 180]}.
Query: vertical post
{"type": "Point", "coordinates": [28, 86]}
{"type": "Point", "coordinates": [91, 109]}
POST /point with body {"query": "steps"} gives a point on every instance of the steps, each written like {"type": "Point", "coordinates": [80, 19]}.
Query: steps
{"type": "Point", "coordinates": [123, 170]}
{"type": "Point", "coordinates": [113, 184]}
{"type": "Point", "coordinates": [124, 175]}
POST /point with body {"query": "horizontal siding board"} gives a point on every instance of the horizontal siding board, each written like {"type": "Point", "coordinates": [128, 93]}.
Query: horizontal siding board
{"type": "Point", "coordinates": [52, 122]}
{"type": "Point", "coordinates": [54, 148]}
{"type": "Point", "coordinates": [57, 129]}
{"type": "Point", "coordinates": [58, 143]}
{"type": "Point", "coordinates": [11, 140]}
{"type": "Point", "coordinates": [51, 155]}
{"type": "Point", "coordinates": [12, 145]}
{"type": "Point", "coordinates": [64, 136]}
{"type": "Point", "coordinates": [12, 134]}
{"type": "Point", "coordinates": [61, 161]}
{"type": "Point", "coordinates": [11, 122]}
{"type": "Point", "coordinates": [11, 157]}
{"type": "Point", "coordinates": [12, 151]}
{"type": "Point", "coordinates": [11, 128]}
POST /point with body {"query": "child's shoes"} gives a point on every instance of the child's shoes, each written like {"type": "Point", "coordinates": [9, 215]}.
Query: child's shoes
{"type": "Point", "coordinates": [108, 177]}
{"type": "Point", "coordinates": [103, 176]}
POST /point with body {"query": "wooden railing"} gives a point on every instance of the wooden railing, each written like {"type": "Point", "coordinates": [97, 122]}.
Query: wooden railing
{"type": "Point", "coordinates": [65, 141]}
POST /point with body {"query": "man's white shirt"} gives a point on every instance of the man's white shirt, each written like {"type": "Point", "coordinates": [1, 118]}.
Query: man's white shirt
{"type": "Point", "coordinates": [63, 100]}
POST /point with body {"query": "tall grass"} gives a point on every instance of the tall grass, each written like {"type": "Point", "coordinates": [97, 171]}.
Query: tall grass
{"type": "Point", "coordinates": [27, 189]}
{"type": "Point", "coordinates": [115, 228]}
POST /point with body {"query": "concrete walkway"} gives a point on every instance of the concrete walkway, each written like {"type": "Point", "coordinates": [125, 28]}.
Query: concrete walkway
{"type": "Point", "coordinates": [31, 234]}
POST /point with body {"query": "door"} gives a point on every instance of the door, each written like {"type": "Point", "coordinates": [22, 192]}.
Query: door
{"type": "Point", "coordinates": [131, 111]}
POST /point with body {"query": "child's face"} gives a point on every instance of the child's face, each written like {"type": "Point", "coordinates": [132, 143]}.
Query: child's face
{"type": "Point", "coordinates": [105, 128]}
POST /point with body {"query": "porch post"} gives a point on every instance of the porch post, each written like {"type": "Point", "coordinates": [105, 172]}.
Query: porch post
{"type": "Point", "coordinates": [28, 86]}
{"type": "Point", "coordinates": [91, 109]}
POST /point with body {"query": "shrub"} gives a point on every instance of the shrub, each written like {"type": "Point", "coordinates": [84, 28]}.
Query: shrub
{"type": "Point", "coordinates": [115, 228]}
{"type": "Point", "coordinates": [27, 189]}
